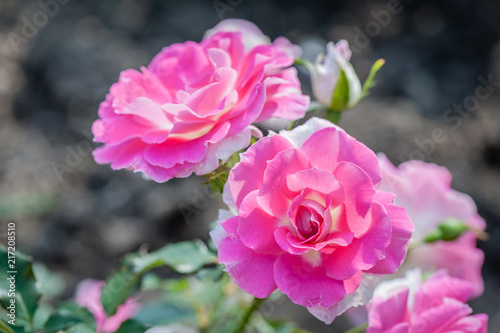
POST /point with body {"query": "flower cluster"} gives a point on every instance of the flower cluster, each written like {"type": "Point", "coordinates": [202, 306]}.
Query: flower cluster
{"type": "Point", "coordinates": [312, 212]}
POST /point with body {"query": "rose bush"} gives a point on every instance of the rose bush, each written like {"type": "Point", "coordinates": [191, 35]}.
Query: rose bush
{"type": "Point", "coordinates": [424, 189]}
{"type": "Point", "coordinates": [194, 105]}
{"type": "Point", "coordinates": [309, 220]}
{"type": "Point", "coordinates": [434, 306]}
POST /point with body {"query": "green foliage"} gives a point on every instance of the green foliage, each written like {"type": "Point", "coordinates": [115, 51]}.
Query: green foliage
{"type": "Point", "coordinates": [218, 178]}
{"type": "Point", "coordinates": [26, 290]}
{"type": "Point", "coordinates": [186, 257]}
{"type": "Point", "coordinates": [51, 284]}
{"type": "Point", "coordinates": [131, 326]}
{"type": "Point", "coordinates": [183, 257]}
{"type": "Point", "coordinates": [119, 286]}
{"type": "Point", "coordinates": [58, 322]}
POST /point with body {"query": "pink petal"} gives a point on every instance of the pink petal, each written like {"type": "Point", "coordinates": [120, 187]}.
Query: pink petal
{"type": "Point", "coordinates": [251, 34]}
{"type": "Point", "coordinates": [460, 258]}
{"type": "Point", "coordinates": [385, 314]}
{"type": "Point", "coordinates": [359, 194]}
{"type": "Point", "coordinates": [284, 99]}
{"type": "Point", "coordinates": [328, 147]}
{"type": "Point", "coordinates": [252, 272]}
{"type": "Point", "coordinates": [256, 227]}
{"type": "Point", "coordinates": [306, 284]}
{"type": "Point", "coordinates": [248, 174]}
{"type": "Point", "coordinates": [395, 253]}
{"type": "Point", "coordinates": [314, 179]}
{"type": "Point", "coordinates": [362, 253]}
{"type": "Point", "coordinates": [440, 318]}
{"type": "Point", "coordinates": [437, 288]}
{"type": "Point", "coordinates": [273, 197]}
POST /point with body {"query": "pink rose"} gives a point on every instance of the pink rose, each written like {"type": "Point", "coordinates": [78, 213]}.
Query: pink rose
{"type": "Point", "coordinates": [310, 220]}
{"type": "Point", "coordinates": [88, 295]}
{"type": "Point", "coordinates": [194, 105]}
{"type": "Point", "coordinates": [434, 306]}
{"type": "Point", "coordinates": [424, 189]}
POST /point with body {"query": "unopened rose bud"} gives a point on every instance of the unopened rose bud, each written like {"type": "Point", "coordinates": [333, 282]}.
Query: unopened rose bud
{"type": "Point", "coordinates": [334, 73]}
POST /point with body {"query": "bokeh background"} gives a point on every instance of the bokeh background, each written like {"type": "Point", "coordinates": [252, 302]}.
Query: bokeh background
{"type": "Point", "coordinates": [79, 218]}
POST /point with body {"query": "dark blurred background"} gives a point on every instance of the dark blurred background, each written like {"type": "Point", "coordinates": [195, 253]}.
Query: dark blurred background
{"type": "Point", "coordinates": [57, 62]}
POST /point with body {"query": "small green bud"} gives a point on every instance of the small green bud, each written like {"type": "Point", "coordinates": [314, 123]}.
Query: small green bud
{"type": "Point", "coordinates": [452, 228]}
{"type": "Point", "coordinates": [433, 236]}
{"type": "Point", "coordinates": [448, 230]}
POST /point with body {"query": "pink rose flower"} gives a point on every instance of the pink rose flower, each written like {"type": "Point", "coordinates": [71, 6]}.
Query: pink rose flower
{"type": "Point", "coordinates": [310, 220]}
{"type": "Point", "coordinates": [194, 105]}
{"type": "Point", "coordinates": [434, 306]}
{"type": "Point", "coordinates": [424, 189]}
{"type": "Point", "coordinates": [88, 295]}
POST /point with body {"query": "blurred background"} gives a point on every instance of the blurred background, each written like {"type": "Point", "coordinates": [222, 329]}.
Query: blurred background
{"type": "Point", "coordinates": [58, 59]}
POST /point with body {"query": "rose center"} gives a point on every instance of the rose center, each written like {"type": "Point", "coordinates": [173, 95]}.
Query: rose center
{"type": "Point", "coordinates": [308, 222]}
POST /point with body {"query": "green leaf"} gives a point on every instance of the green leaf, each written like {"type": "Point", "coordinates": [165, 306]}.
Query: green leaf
{"type": "Point", "coordinates": [81, 328]}
{"type": "Point", "coordinates": [162, 313]}
{"type": "Point", "coordinates": [51, 284]}
{"type": "Point", "coordinates": [212, 274]}
{"type": "Point", "coordinates": [58, 322]}
{"type": "Point", "coordinates": [42, 314]}
{"type": "Point", "coordinates": [150, 282]}
{"type": "Point", "coordinates": [131, 326]}
{"type": "Point", "coordinates": [76, 310]}
{"type": "Point", "coordinates": [119, 286]}
{"type": "Point", "coordinates": [26, 290]}
{"type": "Point", "coordinates": [183, 257]}
{"type": "Point", "coordinates": [369, 82]}
{"type": "Point", "coordinates": [186, 257]}
{"type": "Point", "coordinates": [340, 97]}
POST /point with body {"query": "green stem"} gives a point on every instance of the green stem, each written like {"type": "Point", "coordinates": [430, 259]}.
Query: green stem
{"type": "Point", "coordinates": [333, 116]}
{"type": "Point", "coordinates": [246, 317]}
{"type": "Point", "coordinates": [358, 329]}
{"type": "Point", "coordinates": [4, 328]}
{"type": "Point", "coordinates": [305, 63]}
